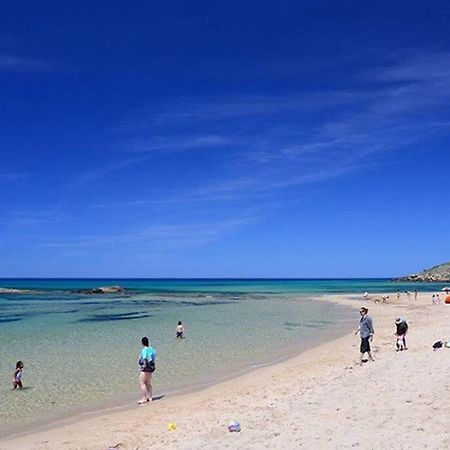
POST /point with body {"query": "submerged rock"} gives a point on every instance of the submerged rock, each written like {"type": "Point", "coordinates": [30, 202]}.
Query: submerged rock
{"type": "Point", "coordinates": [111, 289]}
{"type": "Point", "coordinates": [101, 290]}
{"type": "Point", "coordinates": [14, 291]}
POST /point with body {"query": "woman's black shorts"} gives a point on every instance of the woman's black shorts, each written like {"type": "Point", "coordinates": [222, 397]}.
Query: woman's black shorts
{"type": "Point", "coordinates": [365, 345]}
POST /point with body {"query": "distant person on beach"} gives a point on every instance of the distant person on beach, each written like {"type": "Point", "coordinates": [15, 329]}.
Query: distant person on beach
{"type": "Point", "coordinates": [147, 365]}
{"type": "Point", "coordinates": [366, 295]}
{"type": "Point", "coordinates": [398, 295]}
{"type": "Point", "coordinates": [366, 332]}
{"type": "Point", "coordinates": [433, 299]}
{"type": "Point", "coordinates": [415, 295]}
{"type": "Point", "coordinates": [400, 333]}
{"type": "Point", "coordinates": [17, 376]}
{"type": "Point", "coordinates": [438, 299]}
{"type": "Point", "coordinates": [180, 330]}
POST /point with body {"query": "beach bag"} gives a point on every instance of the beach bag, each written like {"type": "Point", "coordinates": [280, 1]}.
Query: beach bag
{"type": "Point", "coordinates": [437, 344]}
{"type": "Point", "coordinates": [234, 426]}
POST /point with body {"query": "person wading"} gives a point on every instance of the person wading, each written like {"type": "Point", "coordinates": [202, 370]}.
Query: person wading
{"type": "Point", "coordinates": [147, 365]}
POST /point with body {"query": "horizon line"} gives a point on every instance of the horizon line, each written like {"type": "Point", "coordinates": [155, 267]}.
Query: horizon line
{"type": "Point", "coordinates": [196, 278]}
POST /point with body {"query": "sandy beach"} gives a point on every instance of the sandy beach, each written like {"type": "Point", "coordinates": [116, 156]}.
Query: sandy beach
{"type": "Point", "coordinates": [319, 399]}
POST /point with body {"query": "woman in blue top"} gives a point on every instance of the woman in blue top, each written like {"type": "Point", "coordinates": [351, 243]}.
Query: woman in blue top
{"type": "Point", "coordinates": [147, 364]}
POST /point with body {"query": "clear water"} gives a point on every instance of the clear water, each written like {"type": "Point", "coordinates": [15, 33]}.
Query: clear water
{"type": "Point", "coordinates": [80, 351]}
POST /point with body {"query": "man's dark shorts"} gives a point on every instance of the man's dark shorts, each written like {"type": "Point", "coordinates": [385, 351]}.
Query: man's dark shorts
{"type": "Point", "coordinates": [365, 345]}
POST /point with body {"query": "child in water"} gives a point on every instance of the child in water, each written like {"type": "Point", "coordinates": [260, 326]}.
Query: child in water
{"type": "Point", "coordinates": [180, 330]}
{"type": "Point", "coordinates": [17, 377]}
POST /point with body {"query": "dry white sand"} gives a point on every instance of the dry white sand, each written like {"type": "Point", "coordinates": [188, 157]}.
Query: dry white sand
{"type": "Point", "coordinates": [320, 399]}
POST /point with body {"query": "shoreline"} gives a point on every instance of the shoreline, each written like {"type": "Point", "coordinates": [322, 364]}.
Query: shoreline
{"type": "Point", "coordinates": [217, 343]}
{"type": "Point", "coordinates": [128, 403]}
{"type": "Point", "coordinates": [297, 390]}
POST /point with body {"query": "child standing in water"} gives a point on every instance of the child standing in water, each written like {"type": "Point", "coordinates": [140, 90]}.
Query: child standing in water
{"type": "Point", "coordinates": [17, 377]}
{"type": "Point", "coordinates": [180, 330]}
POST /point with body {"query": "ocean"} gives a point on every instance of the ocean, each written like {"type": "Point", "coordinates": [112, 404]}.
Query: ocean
{"type": "Point", "coordinates": [80, 350]}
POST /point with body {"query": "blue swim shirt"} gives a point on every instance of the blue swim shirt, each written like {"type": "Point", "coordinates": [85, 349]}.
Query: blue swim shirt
{"type": "Point", "coordinates": [148, 353]}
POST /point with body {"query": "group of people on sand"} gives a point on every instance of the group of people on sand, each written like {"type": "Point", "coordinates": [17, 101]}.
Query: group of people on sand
{"type": "Point", "coordinates": [385, 298]}
{"type": "Point", "coordinates": [366, 332]}
{"type": "Point", "coordinates": [435, 299]}
{"type": "Point", "coordinates": [408, 294]}
{"type": "Point", "coordinates": [147, 359]}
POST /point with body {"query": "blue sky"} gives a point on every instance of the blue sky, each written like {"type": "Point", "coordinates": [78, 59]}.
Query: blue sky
{"type": "Point", "coordinates": [231, 139]}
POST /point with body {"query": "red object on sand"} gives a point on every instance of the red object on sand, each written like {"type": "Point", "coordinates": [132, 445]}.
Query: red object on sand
{"type": "Point", "coordinates": [447, 299]}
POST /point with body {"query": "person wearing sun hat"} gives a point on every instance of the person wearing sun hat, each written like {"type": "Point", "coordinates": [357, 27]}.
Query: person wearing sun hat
{"type": "Point", "coordinates": [400, 333]}
{"type": "Point", "coordinates": [366, 332]}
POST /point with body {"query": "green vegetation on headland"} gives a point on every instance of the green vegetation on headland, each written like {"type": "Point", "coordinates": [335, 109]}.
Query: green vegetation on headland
{"type": "Point", "coordinates": [437, 274]}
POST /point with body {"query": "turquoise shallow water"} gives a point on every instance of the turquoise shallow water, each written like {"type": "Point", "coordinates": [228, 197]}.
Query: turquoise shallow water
{"type": "Point", "coordinates": [80, 350]}
{"type": "Point", "coordinates": [307, 286]}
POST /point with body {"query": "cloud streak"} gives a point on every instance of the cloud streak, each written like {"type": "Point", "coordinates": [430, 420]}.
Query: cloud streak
{"type": "Point", "coordinates": [99, 172]}
{"type": "Point", "coordinates": [12, 176]}
{"type": "Point", "coordinates": [387, 113]}
{"type": "Point", "coordinates": [26, 218]}
{"type": "Point", "coordinates": [174, 236]}
{"type": "Point", "coordinates": [269, 146]}
{"type": "Point", "coordinates": [177, 143]}
{"type": "Point", "coordinates": [231, 107]}
{"type": "Point", "coordinates": [12, 63]}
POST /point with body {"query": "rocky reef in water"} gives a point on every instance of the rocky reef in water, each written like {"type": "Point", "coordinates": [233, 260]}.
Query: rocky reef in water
{"type": "Point", "coordinates": [14, 291]}
{"type": "Point", "coordinates": [437, 274]}
{"type": "Point", "coordinates": [101, 290]}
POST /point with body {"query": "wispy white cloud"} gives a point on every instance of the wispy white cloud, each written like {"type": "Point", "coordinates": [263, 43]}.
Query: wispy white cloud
{"type": "Point", "coordinates": [386, 113]}
{"type": "Point", "coordinates": [94, 174]}
{"type": "Point", "coordinates": [30, 217]}
{"type": "Point", "coordinates": [276, 143]}
{"type": "Point", "coordinates": [21, 64]}
{"type": "Point", "coordinates": [147, 146]}
{"type": "Point", "coordinates": [423, 67]}
{"type": "Point", "coordinates": [177, 143]}
{"type": "Point", "coordinates": [213, 109]}
{"type": "Point", "coordinates": [12, 176]}
{"type": "Point", "coordinates": [171, 236]}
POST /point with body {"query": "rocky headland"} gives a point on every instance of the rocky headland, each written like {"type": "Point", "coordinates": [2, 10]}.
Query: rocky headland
{"type": "Point", "coordinates": [437, 274]}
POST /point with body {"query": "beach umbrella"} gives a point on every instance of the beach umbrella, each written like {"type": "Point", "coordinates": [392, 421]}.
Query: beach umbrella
{"type": "Point", "coordinates": [446, 289]}
{"type": "Point", "coordinates": [447, 299]}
